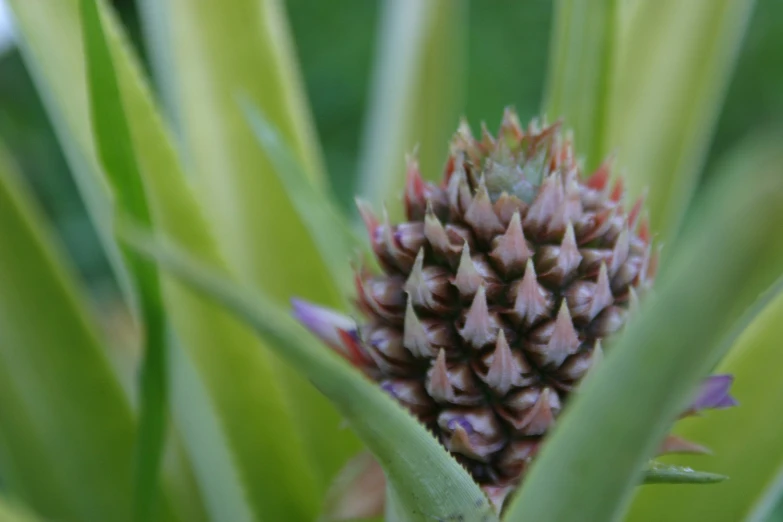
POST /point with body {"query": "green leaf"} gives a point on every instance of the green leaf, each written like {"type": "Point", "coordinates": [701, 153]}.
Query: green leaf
{"type": "Point", "coordinates": [262, 459]}
{"type": "Point", "coordinates": [676, 59]}
{"type": "Point", "coordinates": [624, 410]}
{"type": "Point", "coordinates": [428, 483]}
{"type": "Point", "coordinates": [63, 414]}
{"type": "Point", "coordinates": [332, 233]}
{"type": "Point", "coordinates": [582, 56]}
{"type": "Point", "coordinates": [745, 441]}
{"type": "Point", "coordinates": [658, 473]}
{"type": "Point", "coordinates": [256, 225]}
{"type": "Point", "coordinates": [115, 149]}
{"type": "Point", "coordinates": [11, 511]}
{"type": "Point", "coordinates": [416, 93]}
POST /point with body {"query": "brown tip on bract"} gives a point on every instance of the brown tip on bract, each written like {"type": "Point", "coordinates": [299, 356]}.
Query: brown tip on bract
{"type": "Point", "coordinates": [504, 372]}
{"type": "Point", "coordinates": [511, 251]}
{"type": "Point", "coordinates": [564, 340]}
{"type": "Point", "coordinates": [438, 384]}
{"type": "Point", "coordinates": [478, 327]}
{"type": "Point", "coordinates": [481, 215]}
{"type": "Point", "coordinates": [599, 179]}
{"type": "Point", "coordinates": [532, 302]}
{"type": "Point", "coordinates": [416, 287]}
{"type": "Point", "coordinates": [602, 296]}
{"type": "Point", "coordinates": [620, 251]}
{"type": "Point", "coordinates": [541, 417]}
{"type": "Point", "coordinates": [467, 279]}
{"type": "Point", "coordinates": [368, 216]}
{"type": "Point", "coordinates": [414, 335]}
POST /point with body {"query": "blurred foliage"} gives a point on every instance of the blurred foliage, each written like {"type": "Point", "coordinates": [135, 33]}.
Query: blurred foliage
{"type": "Point", "coordinates": [507, 58]}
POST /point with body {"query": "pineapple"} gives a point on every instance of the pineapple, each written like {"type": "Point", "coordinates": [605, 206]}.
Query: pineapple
{"type": "Point", "coordinates": [495, 296]}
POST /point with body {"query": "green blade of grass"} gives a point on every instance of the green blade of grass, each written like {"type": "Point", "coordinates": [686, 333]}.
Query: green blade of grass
{"type": "Point", "coordinates": [727, 259]}
{"type": "Point", "coordinates": [675, 61]}
{"type": "Point", "coordinates": [658, 473]}
{"type": "Point", "coordinates": [62, 412]}
{"type": "Point", "coordinates": [744, 441]}
{"type": "Point", "coordinates": [416, 95]}
{"type": "Point", "coordinates": [428, 483]}
{"type": "Point", "coordinates": [581, 71]}
{"type": "Point", "coordinates": [262, 457]}
{"type": "Point", "coordinates": [115, 149]}
{"type": "Point", "coordinates": [256, 224]}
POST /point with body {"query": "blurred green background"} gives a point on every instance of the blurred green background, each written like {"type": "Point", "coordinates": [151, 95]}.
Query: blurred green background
{"type": "Point", "coordinates": [335, 42]}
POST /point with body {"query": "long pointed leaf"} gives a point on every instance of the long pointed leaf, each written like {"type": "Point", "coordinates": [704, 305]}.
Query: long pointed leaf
{"type": "Point", "coordinates": [62, 412]}
{"type": "Point", "coordinates": [115, 149]}
{"type": "Point", "coordinates": [625, 409]}
{"type": "Point", "coordinates": [265, 241]}
{"type": "Point", "coordinates": [247, 410]}
{"type": "Point", "coordinates": [581, 71]}
{"type": "Point", "coordinates": [745, 441]}
{"type": "Point", "coordinates": [429, 484]}
{"type": "Point", "coordinates": [416, 93]}
{"type": "Point", "coordinates": [675, 62]}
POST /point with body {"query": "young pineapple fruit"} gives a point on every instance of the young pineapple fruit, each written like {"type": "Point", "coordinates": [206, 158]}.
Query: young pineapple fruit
{"type": "Point", "coordinates": [496, 293]}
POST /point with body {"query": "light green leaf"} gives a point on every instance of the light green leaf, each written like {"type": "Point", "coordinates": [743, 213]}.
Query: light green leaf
{"type": "Point", "coordinates": [582, 56]}
{"type": "Point", "coordinates": [256, 225]}
{"type": "Point", "coordinates": [675, 62]}
{"type": "Point", "coordinates": [11, 511]}
{"type": "Point", "coordinates": [332, 233]}
{"type": "Point", "coordinates": [624, 410]}
{"type": "Point", "coordinates": [658, 473]}
{"type": "Point", "coordinates": [416, 93]}
{"type": "Point", "coordinates": [428, 483]}
{"type": "Point", "coordinates": [745, 441]}
{"type": "Point", "coordinates": [62, 412]}
{"type": "Point", "coordinates": [115, 149]}
{"type": "Point", "coordinates": [265, 462]}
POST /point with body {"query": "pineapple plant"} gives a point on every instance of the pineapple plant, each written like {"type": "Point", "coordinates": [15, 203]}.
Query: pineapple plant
{"type": "Point", "coordinates": [493, 299]}
{"type": "Point", "coordinates": [472, 357]}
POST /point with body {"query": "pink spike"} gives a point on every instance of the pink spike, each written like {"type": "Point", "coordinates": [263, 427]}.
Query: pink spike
{"type": "Point", "coordinates": [504, 371]}
{"type": "Point", "coordinates": [481, 215]}
{"type": "Point", "coordinates": [460, 443]}
{"type": "Point", "coordinates": [549, 197]}
{"type": "Point", "coordinates": [532, 301]}
{"type": "Point", "coordinates": [541, 417]}
{"type": "Point", "coordinates": [487, 142]}
{"type": "Point", "coordinates": [620, 251]}
{"type": "Point", "coordinates": [618, 190]}
{"type": "Point", "coordinates": [636, 210]}
{"type": "Point", "coordinates": [415, 336]}
{"type": "Point", "coordinates": [416, 287]}
{"type": "Point", "coordinates": [438, 383]}
{"type": "Point", "coordinates": [564, 340]}
{"type": "Point", "coordinates": [467, 279]}
{"type": "Point", "coordinates": [569, 257]}
{"type": "Point", "coordinates": [414, 184]}
{"type": "Point", "coordinates": [497, 495]}
{"type": "Point", "coordinates": [478, 325]}
{"type": "Point", "coordinates": [599, 179]}
{"type": "Point", "coordinates": [674, 444]}
{"type": "Point", "coordinates": [569, 210]}
{"type": "Point", "coordinates": [368, 217]}
{"type": "Point", "coordinates": [644, 230]}
{"type": "Point", "coordinates": [510, 251]}
{"type": "Point", "coordinates": [602, 296]}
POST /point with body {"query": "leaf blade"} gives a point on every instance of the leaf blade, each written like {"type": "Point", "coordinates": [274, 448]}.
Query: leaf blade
{"type": "Point", "coordinates": [115, 150]}
{"type": "Point", "coordinates": [62, 411]}
{"type": "Point", "coordinates": [582, 65]}
{"type": "Point", "coordinates": [415, 96]}
{"type": "Point", "coordinates": [428, 482]}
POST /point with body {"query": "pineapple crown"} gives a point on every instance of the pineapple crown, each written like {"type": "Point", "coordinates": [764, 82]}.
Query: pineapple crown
{"type": "Point", "coordinates": [495, 296]}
